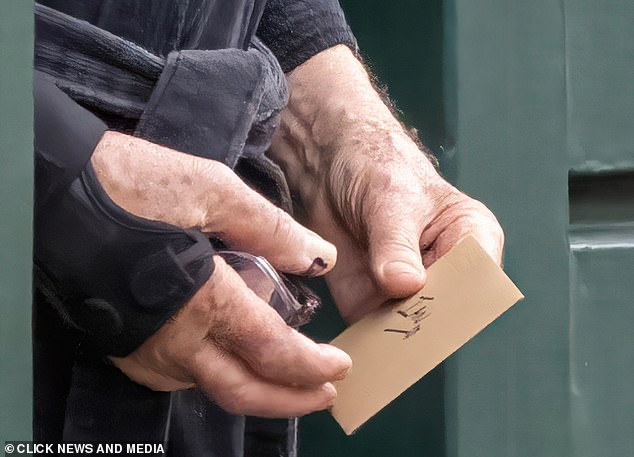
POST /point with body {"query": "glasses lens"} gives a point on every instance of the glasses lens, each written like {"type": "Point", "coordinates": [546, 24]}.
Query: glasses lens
{"type": "Point", "coordinates": [261, 278]}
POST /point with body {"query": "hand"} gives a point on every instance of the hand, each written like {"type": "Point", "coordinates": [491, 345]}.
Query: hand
{"type": "Point", "coordinates": [236, 349]}
{"type": "Point", "coordinates": [363, 184]}
{"type": "Point", "coordinates": [225, 340]}
{"type": "Point", "coordinates": [391, 216]}
{"type": "Point", "coordinates": [161, 184]}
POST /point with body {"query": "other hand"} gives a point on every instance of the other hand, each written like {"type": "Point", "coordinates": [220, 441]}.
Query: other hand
{"type": "Point", "coordinates": [225, 340]}
{"type": "Point", "coordinates": [239, 352]}
{"type": "Point", "coordinates": [364, 185]}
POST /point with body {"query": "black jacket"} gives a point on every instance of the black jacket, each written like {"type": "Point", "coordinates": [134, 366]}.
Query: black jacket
{"type": "Point", "coordinates": [186, 74]}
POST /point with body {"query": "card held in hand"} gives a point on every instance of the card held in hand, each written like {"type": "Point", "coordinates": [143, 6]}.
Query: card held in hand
{"type": "Point", "coordinates": [396, 345]}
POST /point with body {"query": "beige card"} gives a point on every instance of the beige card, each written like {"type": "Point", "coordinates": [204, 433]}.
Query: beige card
{"type": "Point", "coordinates": [395, 346]}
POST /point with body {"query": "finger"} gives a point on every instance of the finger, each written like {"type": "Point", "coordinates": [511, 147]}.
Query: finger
{"type": "Point", "coordinates": [394, 251]}
{"type": "Point", "coordinates": [247, 221]}
{"type": "Point", "coordinates": [490, 236]}
{"type": "Point", "coordinates": [248, 327]}
{"type": "Point", "coordinates": [239, 391]}
{"type": "Point", "coordinates": [354, 290]}
{"type": "Point", "coordinates": [472, 218]}
{"type": "Point", "coordinates": [141, 373]}
{"type": "Point", "coordinates": [491, 240]}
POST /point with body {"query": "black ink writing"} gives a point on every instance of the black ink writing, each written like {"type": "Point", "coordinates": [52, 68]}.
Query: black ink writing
{"type": "Point", "coordinates": [416, 313]}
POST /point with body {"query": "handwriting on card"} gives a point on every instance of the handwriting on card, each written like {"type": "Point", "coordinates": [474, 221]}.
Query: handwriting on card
{"type": "Point", "coordinates": [396, 345]}
{"type": "Point", "coordinates": [415, 313]}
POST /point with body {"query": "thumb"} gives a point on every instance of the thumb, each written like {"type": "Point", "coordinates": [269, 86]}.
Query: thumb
{"type": "Point", "coordinates": [395, 256]}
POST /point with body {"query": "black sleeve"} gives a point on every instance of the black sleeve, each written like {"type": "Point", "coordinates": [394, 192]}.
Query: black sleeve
{"type": "Point", "coordinates": [296, 30]}
{"type": "Point", "coordinates": [109, 273]}
{"type": "Point", "coordinates": [65, 136]}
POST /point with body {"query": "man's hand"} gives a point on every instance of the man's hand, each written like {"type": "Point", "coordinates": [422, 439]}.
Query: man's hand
{"type": "Point", "coordinates": [233, 346]}
{"type": "Point", "coordinates": [161, 184]}
{"type": "Point", "coordinates": [225, 340]}
{"type": "Point", "coordinates": [364, 185]}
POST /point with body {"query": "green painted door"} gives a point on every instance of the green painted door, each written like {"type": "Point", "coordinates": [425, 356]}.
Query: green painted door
{"type": "Point", "coordinates": [600, 145]}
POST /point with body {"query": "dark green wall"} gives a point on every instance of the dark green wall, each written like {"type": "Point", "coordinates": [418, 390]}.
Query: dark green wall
{"type": "Point", "coordinates": [600, 146]}
{"type": "Point", "coordinates": [16, 184]}
{"type": "Point", "coordinates": [519, 100]}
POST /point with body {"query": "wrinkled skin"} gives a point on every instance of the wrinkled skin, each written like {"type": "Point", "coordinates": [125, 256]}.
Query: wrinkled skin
{"type": "Point", "coordinates": [364, 185]}
{"type": "Point", "coordinates": [404, 217]}
{"type": "Point", "coordinates": [225, 339]}
{"type": "Point", "coordinates": [359, 181]}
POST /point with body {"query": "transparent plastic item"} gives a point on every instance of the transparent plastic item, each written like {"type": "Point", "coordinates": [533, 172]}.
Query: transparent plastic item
{"type": "Point", "coordinates": [294, 302]}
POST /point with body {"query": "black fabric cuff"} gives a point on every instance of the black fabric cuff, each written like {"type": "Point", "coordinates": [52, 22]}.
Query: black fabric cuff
{"type": "Point", "coordinates": [296, 30]}
{"type": "Point", "coordinates": [113, 275]}
{"type": "Point", "coordinates": [65, 137]}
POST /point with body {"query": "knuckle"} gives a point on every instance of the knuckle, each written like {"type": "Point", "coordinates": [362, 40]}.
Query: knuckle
{"type": "Point", "coordinates": [211, 171]}
{"type": "Point", "coordinates": [220, 170]}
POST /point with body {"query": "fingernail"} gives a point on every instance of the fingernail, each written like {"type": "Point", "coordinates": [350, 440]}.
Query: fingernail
{"type": "Point", "coordinates": [324, 254]}
{"type": "Point", "coordinates": [343, 360]}
{"type": "Point", "coordinates": [317, 267]}
{"type": "Point", "coordinates": [342, 374]}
